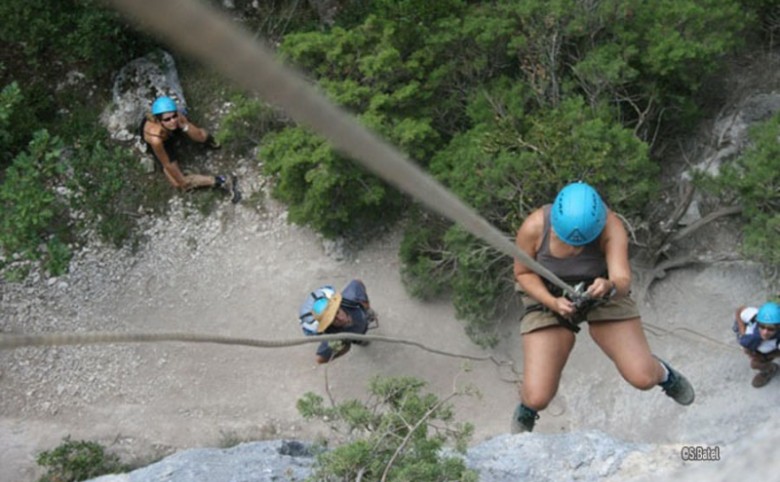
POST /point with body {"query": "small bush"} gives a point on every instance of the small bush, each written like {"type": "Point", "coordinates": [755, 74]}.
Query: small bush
{"type": "Point", "coordinates": [76, 460]}
{"type": "Point", "coordinates": [74, 31]}
{"type": "Point", "coordinates": [247, 122]}
{"type": "Point", "coordinates": [106, 182]}
{"type": "Point", "coordinates": [753, 180]}
{"type": "Point", "coordinates": [30, 208]}
{"type": "Point", "coordinates": [397, 433]}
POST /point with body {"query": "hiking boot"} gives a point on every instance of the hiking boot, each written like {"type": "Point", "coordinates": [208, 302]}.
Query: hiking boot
{"type": "Point", "coordinates": [230, 184]}
{"type": "Point", "coordinates": [763, 376]}
{"type": "Point", "coordinates": [523, 419]}
{"type": "Point", "coordinates": [212, 143]}
{"type": "Point", "coordinates": [677, 386]}
{"type": "Point", "coordinates": [235, 193]}
{"type": "Point", "coordinates": [372, 319]}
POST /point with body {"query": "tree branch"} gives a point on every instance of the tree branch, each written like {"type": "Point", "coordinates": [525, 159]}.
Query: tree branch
{"type": "Point", "coordinates": [727, 211]}
{"type": "Point", "coordinates": [408, 437]}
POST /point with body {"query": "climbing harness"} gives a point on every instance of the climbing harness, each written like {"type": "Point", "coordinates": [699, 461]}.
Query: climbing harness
{"type": "Point", "coordinates": [583, 303]}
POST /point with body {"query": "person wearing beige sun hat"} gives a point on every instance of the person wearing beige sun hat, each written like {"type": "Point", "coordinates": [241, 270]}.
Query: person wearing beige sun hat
{"type": "Point", "coordinates": [325, 311]}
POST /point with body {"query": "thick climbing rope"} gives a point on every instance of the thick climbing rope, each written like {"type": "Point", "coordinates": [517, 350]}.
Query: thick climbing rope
{"type": "Point", "coordinates": [693, 334]}
{"type": "Point", "coordinates": [10, 341]}
{"type": "Point", "coordinates": [105, 337]}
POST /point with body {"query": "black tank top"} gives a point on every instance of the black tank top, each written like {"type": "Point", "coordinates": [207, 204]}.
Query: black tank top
{"type": "Point", "coordinates": [169, 145]}
{"type": "Point", "coordinates": [587, 265]}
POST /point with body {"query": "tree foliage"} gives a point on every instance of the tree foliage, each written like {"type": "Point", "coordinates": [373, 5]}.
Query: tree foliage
{"type": "Point", "coordinates": [753, 180]}
{"type": "Point", "coordinates": [29, 202]}
{"type": "Point", "coordinates": [391, 70]}
{"type": "Point", "coordinates": [72, 31]}
{"type": "Point", "coordinates": [75, 460]}
{"type": "Point", "coordinates": [398, 433]}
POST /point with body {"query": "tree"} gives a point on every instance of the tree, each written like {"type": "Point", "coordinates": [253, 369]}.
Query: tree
{"type": "Point", "coordinates": [753, 180]}
{"type": "Point", "coordinates": [397, 435]}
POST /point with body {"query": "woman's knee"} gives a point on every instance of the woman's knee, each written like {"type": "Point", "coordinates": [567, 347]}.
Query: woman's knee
{"type": "Point", "coordinates": [642, 380]}
{"type": "Point", "coordinates": [536, 401]}
{"type": "Point", "coordinates": [537, 397]}
{"type": "Point", "coordinates": [642, 375]}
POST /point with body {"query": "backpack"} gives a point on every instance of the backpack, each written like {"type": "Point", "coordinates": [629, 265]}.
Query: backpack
{"type": "Point", "coordinates": [305, 316]}
{"type": "Point", "coordinates": [735, 326]}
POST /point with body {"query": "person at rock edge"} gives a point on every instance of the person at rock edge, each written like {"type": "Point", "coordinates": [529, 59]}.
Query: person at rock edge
{"type": "Point", "coordinates": [324, 311]}
{"type": "Point", "coordinates": [580, 240]}
{"type": "Point", "coordinates": [758, 332]}
{"type": "Point", "coordinates": [162, 129]}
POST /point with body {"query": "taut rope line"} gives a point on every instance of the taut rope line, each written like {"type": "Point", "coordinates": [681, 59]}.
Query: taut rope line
{"type": "Point", "coordinates": [206, 34]}
{"type": "Point", "coordinates": [659, 332]}
{"type": "Point", "coordinates": [9, 341]}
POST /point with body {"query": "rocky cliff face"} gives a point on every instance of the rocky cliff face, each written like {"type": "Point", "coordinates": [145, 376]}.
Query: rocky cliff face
{"type": "Point", "coordinates": [586, 456]}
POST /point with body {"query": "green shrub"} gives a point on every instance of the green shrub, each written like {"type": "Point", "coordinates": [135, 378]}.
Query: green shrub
{"type": "Point", "coordinates": [398, 431]}
{"type": "Point", "coordinates": [325, 191]}
{"type": "Point", "coordinates": [83, 31]}
{"type": "Point", "coordinates": [32, 213]}
{"type": "Point", "coordinates": [108, 191]}
{"type": "Point", "coordinates": [47, 183]}
{"type": "Point", "coordinates": [246, 123]}
{"type": "Point", "coordinates": [753, 180]}
{"type": "Point", "coordinates": [11, 137]}
{"type": "Point", "coordinates": [395, 69]}
{"type": "Point", "coordinates": [76, 460]}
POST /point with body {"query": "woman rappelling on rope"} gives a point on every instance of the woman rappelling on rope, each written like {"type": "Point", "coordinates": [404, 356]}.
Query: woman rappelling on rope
{"type": "Point", "coordinates": [578, 239]}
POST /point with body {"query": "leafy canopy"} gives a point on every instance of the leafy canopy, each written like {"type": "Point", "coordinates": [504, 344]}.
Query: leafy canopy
{"type": "Point", "coordinates": [753, 180]}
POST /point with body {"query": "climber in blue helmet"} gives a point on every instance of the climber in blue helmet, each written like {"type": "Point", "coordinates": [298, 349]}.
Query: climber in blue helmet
{"type": "Point", "coordinates": [758, 332]}
{"type": "Point", "coordinates": [583, 243]}
{"type": "Point", "coordinates": [324, 311]}
{"type": "Point", "coordinates": [162, 130]}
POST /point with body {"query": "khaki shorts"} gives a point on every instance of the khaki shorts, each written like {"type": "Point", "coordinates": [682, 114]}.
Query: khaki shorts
{"type": "Point", "coordinates": [621, 309]}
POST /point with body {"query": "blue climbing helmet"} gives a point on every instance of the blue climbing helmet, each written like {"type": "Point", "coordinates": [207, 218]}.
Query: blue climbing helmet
{"type": "Point", "coordinates": [578, 214]}
{"type": "Point", "coordinates": [313, 307]}
{"type": "Point", "coordinates": [319, 306]}
{"type": "Point", "coordinates": [163, 104]}
{"type": "Point", "coordinates": [769, 313]}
